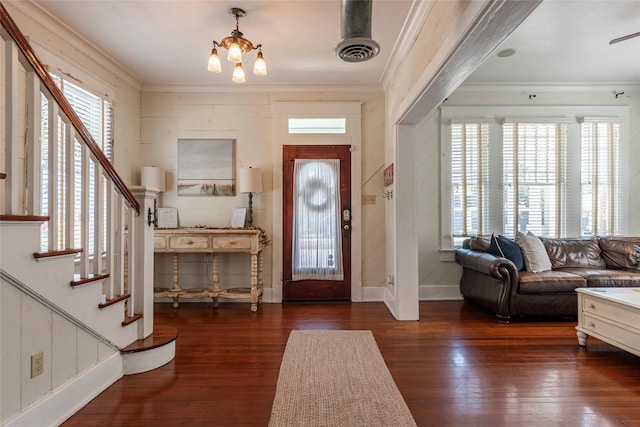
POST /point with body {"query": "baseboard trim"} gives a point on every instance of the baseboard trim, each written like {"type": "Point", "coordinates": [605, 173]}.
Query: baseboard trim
{"type": "Point", "coordinates": [56, 407]}
{"type": "Point", "coordinates": [439, 292]}
{"type": "Point", "coordinates": [373, 294]}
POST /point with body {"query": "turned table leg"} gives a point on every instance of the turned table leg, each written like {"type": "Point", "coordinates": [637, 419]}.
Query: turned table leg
{"type": "Point", "coordinates": [254, 282]}
{"type": "Point", "coordinates": [176, 277]}
{"type": "Point", "coordinates": [582, 338]}
{"type": "Point", "coordinates": [216, 280]}
{"type": "Point", "coordinates": [260, 277]}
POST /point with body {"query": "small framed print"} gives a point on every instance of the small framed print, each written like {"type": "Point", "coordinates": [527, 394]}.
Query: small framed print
{"type": "Point", "coordinates": [238, 218]}
{"type": "Point", "coordinates": [167, 218]}
{"type": "Point", "coordinates": [388, 175]}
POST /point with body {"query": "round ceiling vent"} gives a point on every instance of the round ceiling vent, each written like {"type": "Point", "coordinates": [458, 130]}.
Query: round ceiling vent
{"type": "Point", "coordinates": [357, 49]}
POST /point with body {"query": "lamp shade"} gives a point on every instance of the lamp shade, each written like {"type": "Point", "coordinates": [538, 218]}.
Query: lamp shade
{"type": "Point", "coordinates": [153, 176]}
{"type": "Point", "coordinates": [250, 180]}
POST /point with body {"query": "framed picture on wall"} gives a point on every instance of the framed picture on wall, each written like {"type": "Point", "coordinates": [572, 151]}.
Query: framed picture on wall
{"type": "Point", "coordinates": [388, 175]}
{"type": "Point", "coordinates": [206, 167]}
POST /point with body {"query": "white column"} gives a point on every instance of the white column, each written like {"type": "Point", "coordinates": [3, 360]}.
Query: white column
{"type": "Point", "coordinates": [406, 238]}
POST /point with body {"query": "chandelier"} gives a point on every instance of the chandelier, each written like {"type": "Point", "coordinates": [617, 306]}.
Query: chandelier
{"type": "Point", "coordinates": [237, 45]}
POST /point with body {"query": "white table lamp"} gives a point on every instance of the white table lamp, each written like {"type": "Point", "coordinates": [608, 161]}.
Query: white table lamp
{"type": "Point", "coordinates": [250, 182]}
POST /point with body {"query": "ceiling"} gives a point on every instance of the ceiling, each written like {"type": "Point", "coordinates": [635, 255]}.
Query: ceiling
{"type": "Point", "coordinates": [168, 42]}
{"type": "Point", "coordinates": [567, 43]}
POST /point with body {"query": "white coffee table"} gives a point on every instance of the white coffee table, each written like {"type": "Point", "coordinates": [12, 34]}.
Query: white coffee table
{"type": "Point", "coordinates": [611, 315]}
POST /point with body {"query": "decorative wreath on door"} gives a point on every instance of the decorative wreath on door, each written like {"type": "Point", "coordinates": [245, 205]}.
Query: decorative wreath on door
{"type": "Point", "coordinates": [316, 194]}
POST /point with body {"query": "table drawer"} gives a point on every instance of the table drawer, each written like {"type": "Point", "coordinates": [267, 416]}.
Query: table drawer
{"type": "Point", "coordinates": [619, 334]}
{"type": "Point", "coordinates": [231, 242]}
{"type": "Point", "coordinates": [611, 310]}
{"type": "Point", "coordinates": [159, 242]}
{"type": "Point", "coordinates": [188, 242]}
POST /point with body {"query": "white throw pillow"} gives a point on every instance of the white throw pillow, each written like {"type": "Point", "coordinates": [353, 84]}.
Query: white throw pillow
{"type": "Point", "coordinates": [535, 255]}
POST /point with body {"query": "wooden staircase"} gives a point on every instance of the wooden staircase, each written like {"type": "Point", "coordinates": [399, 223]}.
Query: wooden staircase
{"type": "Point", "coordinates": [101, 294]}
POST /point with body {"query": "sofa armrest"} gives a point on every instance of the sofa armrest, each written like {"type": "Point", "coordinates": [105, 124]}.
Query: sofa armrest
{"type": "Point", "coordinates": [488, 280]}
{"type": "Point", "coordinates": [486, 263]}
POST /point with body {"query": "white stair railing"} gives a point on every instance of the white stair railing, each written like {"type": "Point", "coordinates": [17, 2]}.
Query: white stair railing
{"type": "Point", "coordinates": [109, 213]}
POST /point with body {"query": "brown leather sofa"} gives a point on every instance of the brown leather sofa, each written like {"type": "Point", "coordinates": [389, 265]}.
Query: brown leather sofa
{"type": "Point", "coordinates": [494, 282]}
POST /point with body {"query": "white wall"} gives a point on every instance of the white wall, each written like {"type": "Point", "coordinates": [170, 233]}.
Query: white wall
{"type": "Point", "coordinates": [439, 274]}
{"type": "Point", "coordinates": [42, 30]}
{"type": "Point", "coordinates": [247, 118]}
{"type": "Point", "coordinates": [26, 328]}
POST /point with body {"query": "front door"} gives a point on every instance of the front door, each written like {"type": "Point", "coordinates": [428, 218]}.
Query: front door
{"type": "Point", "coordinates": [316, 222]}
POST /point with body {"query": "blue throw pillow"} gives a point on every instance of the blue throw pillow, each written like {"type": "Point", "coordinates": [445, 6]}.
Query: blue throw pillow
{"type": "Point", "coordinates": [506, 248]}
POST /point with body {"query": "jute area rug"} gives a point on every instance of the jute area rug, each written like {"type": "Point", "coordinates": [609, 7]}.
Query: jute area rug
{"type": "Point", "coordinates": [336, 378]}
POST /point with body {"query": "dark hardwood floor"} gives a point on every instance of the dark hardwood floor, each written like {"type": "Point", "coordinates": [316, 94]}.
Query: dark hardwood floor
{"type": "Point", "coordinates": [455, 367]}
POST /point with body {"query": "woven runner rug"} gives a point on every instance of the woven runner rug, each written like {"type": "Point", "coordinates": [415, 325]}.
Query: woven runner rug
{"type": "Point", "coordinates": [336, 378]}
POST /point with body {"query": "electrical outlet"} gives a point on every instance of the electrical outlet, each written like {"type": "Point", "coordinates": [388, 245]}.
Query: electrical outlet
{"type": "Point", "coordinates": [390, 280]}
{"type": "Point", "coordinates": [37, 364]}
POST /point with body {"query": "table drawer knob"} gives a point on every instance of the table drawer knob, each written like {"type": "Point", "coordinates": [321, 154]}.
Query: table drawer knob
{"type": "Point", "coordinates": [592, 325]}
{"type": "Point", "coordinates": [591, 305]}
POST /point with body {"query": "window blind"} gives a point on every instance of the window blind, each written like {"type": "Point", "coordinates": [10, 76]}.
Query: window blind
{"type": "Point", "coordinates": [561, 175]}
{"type": "Point", "coordinates": [600, 168]}
{"type": "Point", "coordinates": [532, 168]}
{"type": "Point", "coordinates": [469, 179]}
{"type": "Point", "coordinates": [96, 113]}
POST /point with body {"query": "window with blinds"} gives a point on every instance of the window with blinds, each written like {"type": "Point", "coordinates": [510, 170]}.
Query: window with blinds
{"type": "Point", "coordinates": [469, 179]}
{"type": "Point", "coordinates": [96, 113]}
{"type": "Point", "coordinates": [600, 165]}
{"type": "Point", "coordinates": [532, 168]}
{"type": "Point", "coordinates": [552, 177]}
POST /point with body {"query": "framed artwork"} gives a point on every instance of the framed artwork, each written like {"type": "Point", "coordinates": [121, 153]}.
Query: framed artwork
{"type": "Point", "coordinates": [388, 175]}
{"type": "Point", "coordinates": [239, 217]}
{"type": "Point", "coordinates": [206, 167]}
{"type": "Point", "coordinates": [167, 218]}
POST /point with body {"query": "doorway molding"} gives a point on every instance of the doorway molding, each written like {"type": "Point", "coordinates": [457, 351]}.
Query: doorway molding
{"type": "Point", "coordinates": [352, 112]}
{"type": "Point", "coordinates": [492, 22]}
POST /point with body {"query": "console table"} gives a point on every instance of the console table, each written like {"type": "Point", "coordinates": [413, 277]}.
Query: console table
{"type": "Point", "coordinates": [212, 241]}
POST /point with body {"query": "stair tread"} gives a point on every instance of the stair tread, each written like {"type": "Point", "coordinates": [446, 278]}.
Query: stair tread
{"type": "Point", "coordinates": [54, 253]}
{"type": "Point", "coordinates": [114, 300]}
{"type": "Point", "coordinates": [77, 280]}
{"type": "Point", "coordinates": [161, 335]}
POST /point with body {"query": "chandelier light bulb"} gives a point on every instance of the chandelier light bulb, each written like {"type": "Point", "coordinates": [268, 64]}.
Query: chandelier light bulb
{"type": "Point", "coordinates": [235, 53]}
{"type": "Point", "coordinates": [214, 62]}
{"type": "Point", "coordinates": [260, 67]}
{"type": "Point", "coordinates": [238, 74]}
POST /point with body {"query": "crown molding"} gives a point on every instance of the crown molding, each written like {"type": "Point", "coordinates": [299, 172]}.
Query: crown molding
{"type": "Point", "coordinates": [75, 40]}
{"type": "Point", "coordinates": [550, 87]}
{"type": "Point", "coordinates": [264, 88]}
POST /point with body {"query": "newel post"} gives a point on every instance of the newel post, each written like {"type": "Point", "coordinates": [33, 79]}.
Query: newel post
{"type": "Point", "coordinates": [142, 286]}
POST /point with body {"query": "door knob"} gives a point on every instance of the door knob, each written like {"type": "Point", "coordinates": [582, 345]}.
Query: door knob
{"type": "Point", "coordinates": [346, 227]}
